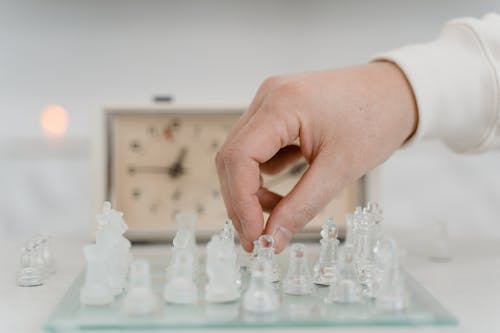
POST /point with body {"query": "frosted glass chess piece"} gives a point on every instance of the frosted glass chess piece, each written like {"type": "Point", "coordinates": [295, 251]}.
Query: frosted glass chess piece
{"type": "Point", "coordinates": [185, 239]}
{"type": "Point", "coordinates": [221, 270]}
{"type": "Point", "coordinates": [260, 297]}
{"type": "Point", "coordinates": [140, 299]}
{"type": "Point", "coordinates": [440, 247]}
{"type": "Point", "coordinates": [31, 273]}
{"type": "Point", "coordinates": [391, 294]}
{"type": "Point", "coordinates": [325, 267]}
{"type": "Point", "coordinates": [346, 288]}
{"type": "Point", "coordinates": [227, 234]}
{"type": "Point", "coordinates": [298, 280]}
{"type": "Point", "coordinates": [186, 222]}
{"type": "Point", "coordinates": [114, 247]}
{"type": "Point", "coordinates": [266, 250]}
{"type": "Point", "coordinates": [180, 287]}
{"type": "Point", "coordinates": [96, 289]}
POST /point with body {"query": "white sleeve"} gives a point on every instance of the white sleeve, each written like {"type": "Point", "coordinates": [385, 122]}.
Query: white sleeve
{"type": "Point", "coordinates": [456, 83]}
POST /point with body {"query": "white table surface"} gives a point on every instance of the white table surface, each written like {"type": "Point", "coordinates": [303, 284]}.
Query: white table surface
{"type": "Point", "coordinates": [468, 285]}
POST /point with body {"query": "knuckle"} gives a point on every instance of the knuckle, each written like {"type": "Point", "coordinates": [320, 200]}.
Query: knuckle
{"type": "Point", "coordinates": [229, 155]}
{"type": "Point", "coordinates": [291, 89]}
{"type": "Point", "coordinates": [270, 82]}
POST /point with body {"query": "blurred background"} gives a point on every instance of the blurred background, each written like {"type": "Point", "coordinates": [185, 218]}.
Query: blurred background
{"type": "Point", "coordinates": [75, 57]}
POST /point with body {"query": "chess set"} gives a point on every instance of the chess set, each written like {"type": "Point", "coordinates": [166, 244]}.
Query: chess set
{"type": "Point", "coordinates": [359, 282]}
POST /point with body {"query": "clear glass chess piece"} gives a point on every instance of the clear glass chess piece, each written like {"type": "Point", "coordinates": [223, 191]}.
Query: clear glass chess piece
{"type": "Point", "coordinates": [180, 287]}
{"type": "Point", "coordinates": [254, 255]}
{"type": "Point", "coordinates": [37, 250]}
{"type": "Point", "coordinates": [221, 267]}
{"type": "Point", "coordinates": [260, 297]}
{"type": "Point", "coordinates": [298, 280]}
{"type": "Point", "coordinates": [30, 273]}
{"type": "Point", "coordinates": [357, 217]}
{"type": "Point", "coordinates": [325, 267]}
{"type": "Point", "coordinates": [346, 288]}
{"type": "Point", "coordinates": [349, 232]}
{"type": "Point", "coordinates": [47, 255]}
{"type": "Point", "coordinates": [391, 293]}
{"type": "Point", "coordinates": [368, 234]}
{"type": "Point", "coordinates": [140, 298]}
{"type": "Point", "coordinates": [266, 250]}
{"type": "Point", "coordinates": [96, 289]}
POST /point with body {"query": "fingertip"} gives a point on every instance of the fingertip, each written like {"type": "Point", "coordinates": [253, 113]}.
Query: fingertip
{"type": "Point", "coordinates": [252, 230]}
{"type": "Point", "coordinates": [282, 236]}
{"type": "Point", "coordinates": [246, 245]}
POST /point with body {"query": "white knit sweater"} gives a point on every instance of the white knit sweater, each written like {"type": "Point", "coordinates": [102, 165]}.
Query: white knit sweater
{"type": "Point", "coordinates": [456, 82]}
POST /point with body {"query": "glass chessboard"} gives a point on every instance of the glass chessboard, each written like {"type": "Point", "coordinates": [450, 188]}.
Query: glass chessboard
{"type": "Point", "coordinates": [295, 311]}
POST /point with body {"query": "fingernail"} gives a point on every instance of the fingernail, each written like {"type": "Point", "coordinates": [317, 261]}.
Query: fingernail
{"type": "Point", "coordinates": [281, 237]}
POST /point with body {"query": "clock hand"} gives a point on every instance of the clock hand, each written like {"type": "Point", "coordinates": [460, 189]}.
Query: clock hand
{"type": "Point", "coordinates": [177, 168]}
{"type": "Point", "coordinates": [147, 169]}
{"type": "Point", "coordinates": [294, 171]}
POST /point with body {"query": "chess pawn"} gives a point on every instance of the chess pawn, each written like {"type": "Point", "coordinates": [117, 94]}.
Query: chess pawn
{"type": "Point", "coordinates": [180, 287]}
{"type": "Point", "coordinates": [391, 294]}
{"type": "Point", "coordinates": [260, 296]}
{"type": "Point", "coordinates": [298, 280]}
{"type": "Point", "coordinates": [96, 290]}
{"type": "Point", "coordinates": [440, 247]}
{"type": "Point", "coordinates": [325, 268]}
{"type": "Point", "coordinates": [31, 273]}
{"type": "Point", "coordinates": [266, 250]}
{"type": "Point", "coordinates": [254, 255]}
{"type": "Point", "coordinates": [140, 299]}
{"type": "Point", "coordinates": [221, 265]}
{"type": "Point", "coordinates": [346, 288]}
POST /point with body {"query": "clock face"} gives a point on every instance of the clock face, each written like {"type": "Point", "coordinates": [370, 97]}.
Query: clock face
{"type": "Point", "coordinates": [162, 163]}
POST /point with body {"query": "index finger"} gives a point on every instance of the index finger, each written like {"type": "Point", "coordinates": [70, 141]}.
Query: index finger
{"type": "Point", "coordinates": [258, 141]}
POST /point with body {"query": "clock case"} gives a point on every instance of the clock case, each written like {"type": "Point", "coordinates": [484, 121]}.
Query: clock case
{"type": "Point", "coordinates": [103, 187]}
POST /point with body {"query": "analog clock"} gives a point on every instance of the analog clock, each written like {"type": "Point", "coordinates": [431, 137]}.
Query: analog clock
{"type": "Point", "coordinates": [155, 162]}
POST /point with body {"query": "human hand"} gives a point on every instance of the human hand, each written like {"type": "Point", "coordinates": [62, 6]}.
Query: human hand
{"type": "Point", "coordinates": [343, 122]}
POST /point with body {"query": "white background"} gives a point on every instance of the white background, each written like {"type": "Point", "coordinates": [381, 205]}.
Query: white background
{"type": "Point", "coordinates": [87, 54]}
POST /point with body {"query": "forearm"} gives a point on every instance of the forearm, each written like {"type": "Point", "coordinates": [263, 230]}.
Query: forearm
{"type": "Point", "coordinates": [455, 80]}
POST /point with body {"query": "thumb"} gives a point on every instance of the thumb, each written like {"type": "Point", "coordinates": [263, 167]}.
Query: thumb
{"type": "Point", "coordinates": [323, 179]}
